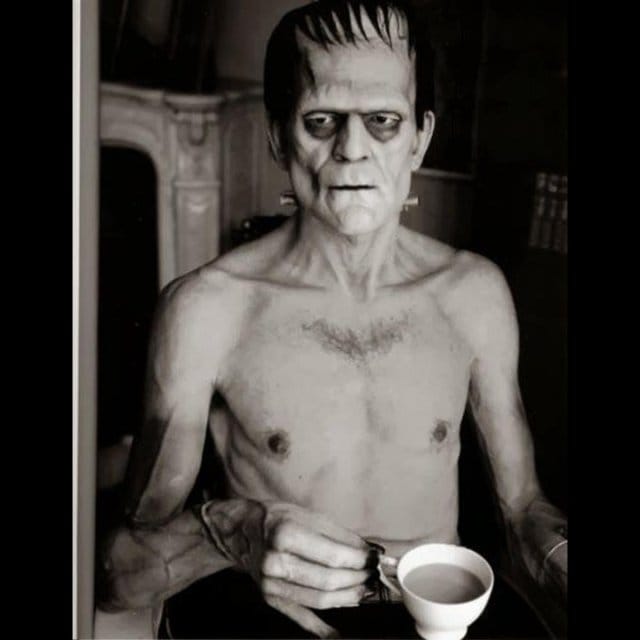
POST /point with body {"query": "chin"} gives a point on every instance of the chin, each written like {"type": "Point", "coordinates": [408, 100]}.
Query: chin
{"type": "Point", "coordinates": [356, 221]}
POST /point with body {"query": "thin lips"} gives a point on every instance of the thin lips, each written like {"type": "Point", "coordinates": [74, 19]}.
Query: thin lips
{"type": "Point", "coordinates": [351, 187]}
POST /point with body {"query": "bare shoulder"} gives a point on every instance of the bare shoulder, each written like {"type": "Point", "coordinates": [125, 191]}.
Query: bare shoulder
{"type": "Point", "coordinates": [477, 279]}
{"type": "Point", "coordinates": [477, 297]}
{"type": "Point", "coordinates": [452, 272]}
{"type": "Point", "coordinates": [213, 300]}
{"type": "Point", "coordinates": [198, 297]}
{"type": "Point", "coordinates": [470, 289]}
{"type": "Point", "coordinates": [196, 319]}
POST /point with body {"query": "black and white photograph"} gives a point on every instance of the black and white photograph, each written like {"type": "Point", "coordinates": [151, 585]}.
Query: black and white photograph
{"type": "Point", "coordinates": [320, 295]}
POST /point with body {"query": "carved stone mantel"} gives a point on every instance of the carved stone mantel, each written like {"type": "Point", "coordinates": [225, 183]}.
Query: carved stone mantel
{"type": "Point", "coordinates": [204, 149]}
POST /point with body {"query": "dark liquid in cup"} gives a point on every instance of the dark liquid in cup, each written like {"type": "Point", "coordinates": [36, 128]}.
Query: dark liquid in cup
{"type": "Point", "coordinates": [443, 583]}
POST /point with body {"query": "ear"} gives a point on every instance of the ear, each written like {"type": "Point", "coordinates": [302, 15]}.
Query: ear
{"type": "Point", "coordinates": [423, 138]}
{"type": "Point", "coordinates": [276, 140]}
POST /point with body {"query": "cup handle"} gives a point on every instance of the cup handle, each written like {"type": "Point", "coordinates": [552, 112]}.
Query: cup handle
{"type": "Point", "coordinates": [389, 581]}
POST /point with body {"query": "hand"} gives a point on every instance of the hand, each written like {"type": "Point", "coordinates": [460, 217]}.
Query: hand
{"type": "Point", "coordinates": [555, 570]}
{"type": "Point", "coordinates": [300, 559]}
{"type": "Point", "coordinates": [543, 545]}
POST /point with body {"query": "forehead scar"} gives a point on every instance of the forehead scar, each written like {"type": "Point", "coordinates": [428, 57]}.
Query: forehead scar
{"type": "Point", "coordinates": [278, 443]}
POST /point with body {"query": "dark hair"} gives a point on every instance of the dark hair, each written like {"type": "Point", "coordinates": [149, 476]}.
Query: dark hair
{"type": "Point", "coordinates": [329, 22]}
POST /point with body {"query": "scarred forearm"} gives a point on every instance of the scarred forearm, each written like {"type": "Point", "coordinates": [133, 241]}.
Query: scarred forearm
{"type": "Point", "coordinates": [140, 566]}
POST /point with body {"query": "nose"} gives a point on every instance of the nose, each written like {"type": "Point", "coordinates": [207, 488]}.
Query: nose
{"type": "Point", "coordinates": [351, 143]}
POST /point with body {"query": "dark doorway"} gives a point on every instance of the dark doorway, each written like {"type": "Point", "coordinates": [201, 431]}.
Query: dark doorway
{"type": "Point", "coordinates": [128, 288]}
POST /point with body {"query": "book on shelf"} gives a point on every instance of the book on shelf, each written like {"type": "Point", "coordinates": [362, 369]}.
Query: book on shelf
{"type": "Point", "coordinates": [550, 213]}
{"type": "Point", "coordinates": [548, 229]}
{"type": "Point", "coordinates": [539, 203]}
{"type": "Point", "coordinates": [560, 227]}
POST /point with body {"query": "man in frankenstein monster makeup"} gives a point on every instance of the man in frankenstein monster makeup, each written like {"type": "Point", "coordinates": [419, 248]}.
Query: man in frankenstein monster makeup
{"type": "Point", "coordinates": [329, 362]}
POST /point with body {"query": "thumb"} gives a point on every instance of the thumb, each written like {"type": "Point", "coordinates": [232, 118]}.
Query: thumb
{"type": "Point", "coordinates": [302, 616]}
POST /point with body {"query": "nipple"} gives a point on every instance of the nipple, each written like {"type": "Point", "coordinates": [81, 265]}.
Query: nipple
{"type": "Point", "coordinates": [278, 443]}
{"type": "Point", "coordinates": [440, 432]}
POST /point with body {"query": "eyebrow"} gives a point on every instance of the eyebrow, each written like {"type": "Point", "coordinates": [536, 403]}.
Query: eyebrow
{"type": "Point", "coordinates": [400, 112]}
{"type": "Point", "coordinates": [385, 105]}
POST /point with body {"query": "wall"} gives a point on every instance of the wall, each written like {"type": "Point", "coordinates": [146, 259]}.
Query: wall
{"type": "Point", "coordinates": [523, 96]}
{"type": "Point", "coordinates": [242, 30]}
{"type": "Point", "coordinates": [522, 119]}
{"type": "Point", "coordinates": [151, 19]}
{"type": "Point", "coordinates": [445, 206]}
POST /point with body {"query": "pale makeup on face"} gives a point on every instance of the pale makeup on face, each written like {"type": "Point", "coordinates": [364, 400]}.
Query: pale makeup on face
{"type": "Point", "coordinates": [353, 137]}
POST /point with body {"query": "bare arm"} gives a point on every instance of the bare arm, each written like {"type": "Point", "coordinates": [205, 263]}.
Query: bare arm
{"type": "Point", "coordinates": [536, 529]}
{"type": "Point", "coordinates": [299, 559]}
{"type": "Point", "coordinates": [160, 550]}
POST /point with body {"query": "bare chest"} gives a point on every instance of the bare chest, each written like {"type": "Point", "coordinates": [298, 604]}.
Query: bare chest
{"type": "Point", "coordinates": [312, 378]}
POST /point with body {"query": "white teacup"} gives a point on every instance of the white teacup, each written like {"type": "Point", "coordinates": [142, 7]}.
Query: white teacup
{"type": "Point", "coordinates": [437, 620]}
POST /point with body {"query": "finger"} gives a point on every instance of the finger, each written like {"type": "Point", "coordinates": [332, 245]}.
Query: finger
{"type": "Point", "coordinates": [330, 529]}
{"type": "Point", "coordinates": [309, 545]}
{"type": "Point", "coordinates": [302, 616]}
{"type": "Point", "coordinates": [314, 598]}
{"type": "Point", "coordinates": [322, 524]}
{"type": "Point", "coordinates": [388, 561]}
{"type": "Point", "coordinates": [294, 569]}
{"type": "Point", "coordinates": [389, 565]}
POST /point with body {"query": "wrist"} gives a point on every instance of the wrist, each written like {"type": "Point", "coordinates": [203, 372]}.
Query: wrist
{"type": "Point", "coordinates": [551, 551]}
{"type": "Point", "coordinates": [539, 536]}
{"type": "Point", "coordinates": [552, 554]}
{"type": "Point", "coordinates": [230, 525]}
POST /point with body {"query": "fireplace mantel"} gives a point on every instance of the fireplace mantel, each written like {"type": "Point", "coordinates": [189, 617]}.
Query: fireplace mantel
{"type": "Point", "coordinates": [207, 151]}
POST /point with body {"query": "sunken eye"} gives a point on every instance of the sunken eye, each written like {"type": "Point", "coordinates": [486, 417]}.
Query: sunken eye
{"type": "Point", "coordinates": [321, 125]}
{"type": "Point", "coordinates": [382, 124]}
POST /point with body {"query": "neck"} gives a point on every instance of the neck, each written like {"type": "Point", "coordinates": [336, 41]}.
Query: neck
{"type": "Point", "coordinates": [355, 264]}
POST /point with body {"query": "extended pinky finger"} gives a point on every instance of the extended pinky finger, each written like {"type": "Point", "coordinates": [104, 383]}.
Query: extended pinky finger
{"type": "Point", "coordinates": [302, 616]}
